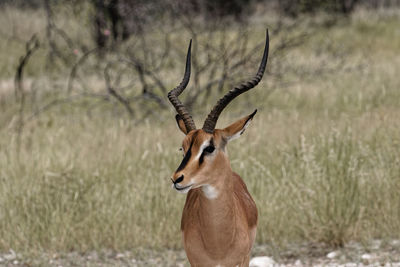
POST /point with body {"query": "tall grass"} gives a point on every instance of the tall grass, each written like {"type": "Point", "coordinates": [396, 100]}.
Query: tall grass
{"type": "Point", "coordinates": [322, 158]}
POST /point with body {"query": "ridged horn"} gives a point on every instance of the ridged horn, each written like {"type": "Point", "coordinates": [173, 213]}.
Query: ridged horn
{"type": "Point", "coordinates": [173, 95]}
{"type": "Point", "coordinates": [212, 118]}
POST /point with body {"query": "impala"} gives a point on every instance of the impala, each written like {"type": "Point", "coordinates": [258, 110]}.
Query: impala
{"type": "Point", "coordinates": [219, 219]}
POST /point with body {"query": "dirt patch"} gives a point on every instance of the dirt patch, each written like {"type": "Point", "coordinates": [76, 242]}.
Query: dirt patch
{"type": "Point", "coordinates": [376, 253]}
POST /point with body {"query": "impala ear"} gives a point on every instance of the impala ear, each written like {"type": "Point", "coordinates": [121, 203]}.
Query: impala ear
{"type": "Point", "coordinates": [181, 124]}
{"type": "Point", "coordinates": [237, 128]}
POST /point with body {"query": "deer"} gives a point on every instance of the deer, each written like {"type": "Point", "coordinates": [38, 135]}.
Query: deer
{"type": "Point", "coordinates": [219, 218]}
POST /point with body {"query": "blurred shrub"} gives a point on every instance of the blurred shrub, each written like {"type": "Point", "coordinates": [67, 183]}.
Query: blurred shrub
{"type": "Point", "coordinates": [34, 4]}
{"type": "Point", "coordinates": [22, 3]}
{"type": "Point", "coordinates": [294, 7]}
{"type": "Point", "coordinates": [345, 7]}
{"type": "Point", "coordinates": [126, 18]}
{"type": "Point", "coordinates": [223, 8]}
{"type": "Point", "coordinates": [123, 18]}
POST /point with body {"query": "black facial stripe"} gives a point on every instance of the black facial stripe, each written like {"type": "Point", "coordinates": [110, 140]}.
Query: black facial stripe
{"type": "Point", "coordinates": [201, 158]}
{"type": "Point", "coordinates": [187, 155]}
{"type": "Point", "coordinates": [202, 153]}
{"type": "Point", "coordinates": [185, 159]}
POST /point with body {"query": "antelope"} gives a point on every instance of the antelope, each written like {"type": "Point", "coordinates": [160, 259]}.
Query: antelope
{"type": "Point", "coordinates": [219, 219]}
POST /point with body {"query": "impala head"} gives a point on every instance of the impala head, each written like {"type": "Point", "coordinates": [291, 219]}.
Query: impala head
{"type": "Point", "coordinates": [204, 151]}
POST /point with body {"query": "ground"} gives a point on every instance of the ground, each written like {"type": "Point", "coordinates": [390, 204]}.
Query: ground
{"type": "Point", "coordinates": [376, 253]}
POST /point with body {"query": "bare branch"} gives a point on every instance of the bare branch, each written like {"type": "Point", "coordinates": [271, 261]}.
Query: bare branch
{"type": "Point", "coordinates": [115, 94]}
{"type": "Point", "coordinates": [74, 69]}
{"type": "Point", "coordinates": [31, 46]}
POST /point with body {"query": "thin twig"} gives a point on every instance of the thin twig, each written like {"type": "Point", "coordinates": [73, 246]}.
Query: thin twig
{"type": "Point", "coordinates": [115, 94]}
{"type": "Point", "coordinates": [74, 69]}
{"type": "Point", "coordinates": [31, 46]}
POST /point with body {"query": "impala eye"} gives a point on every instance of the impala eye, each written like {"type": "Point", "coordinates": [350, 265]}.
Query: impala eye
{"type": "Point", "coordinates": [209, 149]}
{"type": "Point", "coordinates": [206, 151]}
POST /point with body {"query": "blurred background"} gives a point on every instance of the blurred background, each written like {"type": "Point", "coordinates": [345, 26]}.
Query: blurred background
{"type": "Point", "coordinates": [88, 139]}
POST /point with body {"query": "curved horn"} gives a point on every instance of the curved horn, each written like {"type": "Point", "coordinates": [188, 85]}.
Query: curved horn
{"type": "Point", "coordinates": [211, 121]}
{"type": "Point", "coordinates": [173, 95]}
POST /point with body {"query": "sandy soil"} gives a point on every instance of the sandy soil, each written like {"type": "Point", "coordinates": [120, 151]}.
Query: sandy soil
{"type": "Point", "coordinates": [376, 253]}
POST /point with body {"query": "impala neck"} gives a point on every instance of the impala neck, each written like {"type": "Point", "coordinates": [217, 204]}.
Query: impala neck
{"type": "Point", "coordinates": [216, 213]}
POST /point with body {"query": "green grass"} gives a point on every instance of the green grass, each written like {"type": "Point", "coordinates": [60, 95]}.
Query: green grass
{"type": "Point", "coordinates": [321, 159]}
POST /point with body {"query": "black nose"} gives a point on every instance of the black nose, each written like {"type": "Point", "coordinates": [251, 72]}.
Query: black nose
{"type": "Point", "coordinates": [180, 179]}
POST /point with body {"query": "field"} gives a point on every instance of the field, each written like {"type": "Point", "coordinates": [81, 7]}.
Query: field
{"type": "Point", "coordinates": [321, 158]}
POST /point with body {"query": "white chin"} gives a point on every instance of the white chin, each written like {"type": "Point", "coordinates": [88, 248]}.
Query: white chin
{"type": "Point", "coordinates": [184, 190]}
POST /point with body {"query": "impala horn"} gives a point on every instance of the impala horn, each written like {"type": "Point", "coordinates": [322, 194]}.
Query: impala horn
{"type": "Point", "coordinates": [173, 95]}
{"type": "Point", "coordinates": [211, 121]}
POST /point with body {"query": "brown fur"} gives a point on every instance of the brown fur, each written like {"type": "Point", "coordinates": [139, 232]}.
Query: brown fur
{"type": "Point", "coordinates": [220, 230]}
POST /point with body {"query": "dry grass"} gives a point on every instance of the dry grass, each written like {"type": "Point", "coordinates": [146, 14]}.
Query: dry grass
{"type": "Point", "coordinates": [322, 158]}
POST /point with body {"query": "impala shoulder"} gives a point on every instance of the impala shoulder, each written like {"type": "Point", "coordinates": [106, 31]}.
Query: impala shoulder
{"type": "Point", "coordinates": [245, 200]}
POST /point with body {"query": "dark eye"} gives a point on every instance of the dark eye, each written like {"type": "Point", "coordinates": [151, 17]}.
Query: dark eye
{"type": "Point", "coordinates": [209, 149]}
